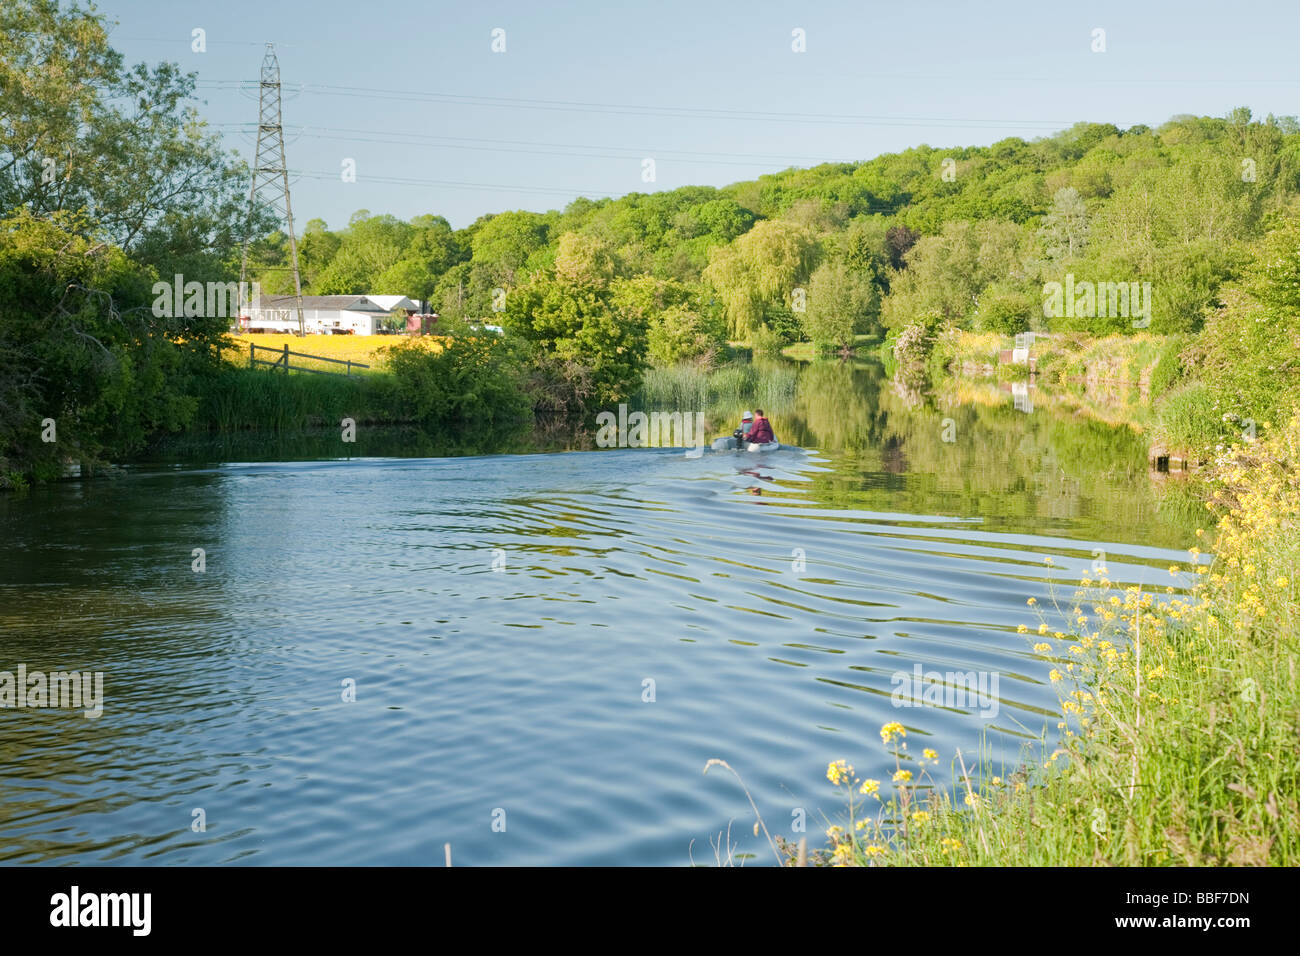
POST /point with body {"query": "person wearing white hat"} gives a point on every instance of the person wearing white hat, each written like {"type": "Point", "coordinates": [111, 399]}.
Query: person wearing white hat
{"type": "Point", "coordinates": [741, 434]}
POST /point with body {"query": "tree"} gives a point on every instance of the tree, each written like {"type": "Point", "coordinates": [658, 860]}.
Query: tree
{"type": "Point", "coordinates": [369, 247]}
{"type": "Point", "coordinates": [584, 261]}
{"type": "Point", "coordinates": [1065, 228]}
{"type": "Point", "coordinates": [82, 133]}
{"type": "Point", "coordinates": [946, 273]}
{"type": "Point", "coordinates": [432, 250]}
{"type": "Point", "coordinates": [503, 244]}
{"type": "Point", "coordinates": [761, 268]}
{"type": "Point", "coordinates": [579, 326]}
{"type": "Point", "coordinates": [82, 349]}
{"type": "Point", "coordinates": [840, 301]}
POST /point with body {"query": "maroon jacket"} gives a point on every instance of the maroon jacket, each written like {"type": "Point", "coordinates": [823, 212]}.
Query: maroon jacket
{"type": "Point", "coordinates": [761, 433]}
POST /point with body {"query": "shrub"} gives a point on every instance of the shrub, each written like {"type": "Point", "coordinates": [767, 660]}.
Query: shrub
{"type": "Point", "coordinates": [475, 381]}
{"type": "Point", "coordinates": [678, 333]}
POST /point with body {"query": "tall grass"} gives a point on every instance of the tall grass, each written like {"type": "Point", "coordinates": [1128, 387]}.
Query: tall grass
{"type": "Point", "coordinates": [1179, 718]}
{"type": "Point", "coordinates": [689, 387]}
{"type": "Point", "coordinates": [239, 398]}
{"type": "Point", "coordinates": [1187, 420]}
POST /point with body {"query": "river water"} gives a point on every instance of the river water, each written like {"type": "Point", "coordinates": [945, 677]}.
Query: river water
{"type": "Point", "coordinates": [546, 649]}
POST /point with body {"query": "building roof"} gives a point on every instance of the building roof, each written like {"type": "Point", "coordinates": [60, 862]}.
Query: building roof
{"type": "Point", "coordinates": [391, 302]}
{"type": "Point", "coordinates": [342, 303]}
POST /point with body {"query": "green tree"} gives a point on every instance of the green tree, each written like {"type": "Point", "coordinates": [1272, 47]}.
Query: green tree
{"type": "Point", "coordinates": [1065, 229]}
{"type": "Point", "coordinates": [840, 301]}
{"type": "Point", "coordinates": [369, 247]}
{"type": "Point", "coordinates": [579, 326]}
{"type": "Point", "coordinates": [761, 269]}
{"type": "Point", "coordinates": [584, 261]}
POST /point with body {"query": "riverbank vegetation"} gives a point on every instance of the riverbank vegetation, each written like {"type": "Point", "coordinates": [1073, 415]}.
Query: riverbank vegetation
{"type": "Point", "coordinates": [1178, 738]}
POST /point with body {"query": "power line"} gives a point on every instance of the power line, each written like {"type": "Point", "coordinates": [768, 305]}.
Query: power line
{"type": "Point", "coordinates": [451, 184]}
{"type": "Point", "coordinates": [834, 119]}
{"type": "Point", "coordinates": [539, 148]}
{"type": "Point", "coordinates": [875, 207]}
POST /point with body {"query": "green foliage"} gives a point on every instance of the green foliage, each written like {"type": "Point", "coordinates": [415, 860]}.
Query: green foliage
{"type": "Point", "coordinates": [236, 397]}
{"type": "Point", "coordinates": [120, 147]}
{"type": "Point", "coordinates": [760, 271]}
{"type": "Point", "coordinates": [1248, 358]}
{"type": "Point", "coordinates": [1007, 308]}
{"type": "Point", "coordinates": [582, 326]}
{"type": "Point", "coordinates": [910, 242]}
{"type": "Point", "coordinates": [946, 273]}
{"type": "Point", "coordinates": [678, 333]}
{"type": "Point", "coordinates": [79, 347]}
{"type": "Point", "coordinates": [736, 386]}
{"type": "Point", "coordinates": [473, 384]}
{"type": "Point", "coordinates": [841, 302]}
{"type": "Point", "coordinates": [107, 180]}
{"type": "Point", "coordinates": [1188, 418]}
{"type": "Point", "coordinates": [1169, 369]}
{"type": "Point", "coordinates": [1172, 207]}
{"type": "Point", "coordinates": [1065, 228]}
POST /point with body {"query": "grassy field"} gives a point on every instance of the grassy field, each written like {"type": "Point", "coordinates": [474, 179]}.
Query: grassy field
{"type": "Point", "coordinates": [1179, 717]}
{"type": "Point", "coordinates": [365, 349]}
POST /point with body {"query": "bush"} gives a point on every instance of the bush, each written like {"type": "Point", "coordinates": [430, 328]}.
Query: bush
{"type": "Point", "coordinates": [474, 382]}
{"type": "Point", "coordinates": [1005, 311]}
{"type": "Point", "coordinates": [913, 344]}
{"type": "Point", "coordinates": [768, 341]}
{"type": "Point", "coordinates": [1169, 368]}
{"type": "Point", "coordinates": [678, 333]}
{"type": "Point", "coordinates": [1187, 418]}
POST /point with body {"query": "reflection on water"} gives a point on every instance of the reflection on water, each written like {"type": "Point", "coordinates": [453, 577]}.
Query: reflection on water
{"type": "Point", "coordinates": [566, 638]}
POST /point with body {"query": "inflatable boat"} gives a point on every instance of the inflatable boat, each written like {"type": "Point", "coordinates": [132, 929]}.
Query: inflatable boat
{"type": "Point", "coordinates": [729, 443]}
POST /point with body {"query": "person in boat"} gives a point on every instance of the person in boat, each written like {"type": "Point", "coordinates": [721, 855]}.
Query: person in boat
{"type": "Point", "coordinates": [741, 434]}
{"type": "Point", "coordinates": [761, 433]}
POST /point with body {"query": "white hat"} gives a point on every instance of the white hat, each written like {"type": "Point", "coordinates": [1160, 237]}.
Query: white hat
{"type": "Point", "coordinates": [748, 416]}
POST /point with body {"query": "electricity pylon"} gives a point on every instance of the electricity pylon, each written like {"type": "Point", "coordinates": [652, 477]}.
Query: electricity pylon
{"type": "Point", "coordinates": [270, 172]}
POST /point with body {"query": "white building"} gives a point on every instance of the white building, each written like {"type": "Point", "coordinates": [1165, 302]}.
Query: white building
{"type": "Point", "coordinates": [326, 314]}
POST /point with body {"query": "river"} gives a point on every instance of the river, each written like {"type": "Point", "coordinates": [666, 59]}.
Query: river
{"type": "Point", "coordinates": [546, 649]}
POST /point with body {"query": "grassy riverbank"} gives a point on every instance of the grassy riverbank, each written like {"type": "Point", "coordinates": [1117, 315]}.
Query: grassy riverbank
{"type": "Point", "coordinates": [472, 385]}
{"type": "Point", "coordinates": [1179, 725]}
{"type": "Point", "coordinates": [1150, 383]}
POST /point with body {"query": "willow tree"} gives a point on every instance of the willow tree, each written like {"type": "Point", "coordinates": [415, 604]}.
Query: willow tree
{"type": "Point", "coordinates": [760, 270]}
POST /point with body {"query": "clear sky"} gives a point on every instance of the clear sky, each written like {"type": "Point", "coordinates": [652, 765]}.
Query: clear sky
{"type": "Point", "coordinates": [435, 121]}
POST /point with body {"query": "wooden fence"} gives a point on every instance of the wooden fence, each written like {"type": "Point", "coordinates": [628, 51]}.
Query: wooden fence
{"type": "Point", "coordinates": [283, 360]}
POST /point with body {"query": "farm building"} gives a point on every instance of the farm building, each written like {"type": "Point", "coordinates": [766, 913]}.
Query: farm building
{"type": "Point", "coordinates": [327, 314]}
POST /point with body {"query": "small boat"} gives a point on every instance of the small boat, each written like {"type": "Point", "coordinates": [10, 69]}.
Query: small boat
{"type": "Point", "coordinates": [729, 443]}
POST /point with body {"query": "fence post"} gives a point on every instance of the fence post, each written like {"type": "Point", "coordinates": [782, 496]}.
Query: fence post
{"type": "Point", "coordinates": [251, 346]}
{"type": "Point", "coordinates": [286, 358]}
{"type": "Point", "coordinates": [349, 368]}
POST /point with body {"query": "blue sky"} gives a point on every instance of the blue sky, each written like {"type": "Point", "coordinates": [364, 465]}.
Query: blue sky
{"type": "Point", "coordinates": [712, 92]}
